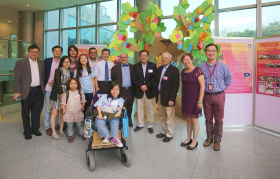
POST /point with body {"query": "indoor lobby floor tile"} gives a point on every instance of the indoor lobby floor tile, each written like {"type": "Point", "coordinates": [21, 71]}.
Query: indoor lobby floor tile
{"type": "Point", "coordinates": [245, 153]}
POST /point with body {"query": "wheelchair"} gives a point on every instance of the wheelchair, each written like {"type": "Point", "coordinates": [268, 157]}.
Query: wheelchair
{"type": "Point", "coordinates": [96, 144]}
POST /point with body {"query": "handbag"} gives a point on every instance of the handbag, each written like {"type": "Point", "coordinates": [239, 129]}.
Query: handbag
{"type": "Point", "coordinates": [125, 124]}
{"type": "Point", "coordinates": [87, 128]}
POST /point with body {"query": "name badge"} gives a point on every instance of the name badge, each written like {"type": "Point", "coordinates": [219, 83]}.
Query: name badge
{"type": "Point", "coordinates": [77, 97]}
{"type": "Point", "coordinates": [165, 78]}
{"type": "Point", "coordinates": [150, 71]}
{"type": "Point", "coordinates": [86, 73]}
{"type": "Point", "coordinates": [210, 87]}
{"type": "Point", "coordinates": [110, 69]}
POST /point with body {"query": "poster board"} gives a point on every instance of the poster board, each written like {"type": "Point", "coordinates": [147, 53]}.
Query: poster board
{"type": "Point", "coordinates": [238, 55]}
{"type": "Point", "coordinates": [267, 101]}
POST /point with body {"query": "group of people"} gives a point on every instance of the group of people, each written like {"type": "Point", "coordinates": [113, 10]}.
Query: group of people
{"type": "Point", "coordinates": [70, 84]}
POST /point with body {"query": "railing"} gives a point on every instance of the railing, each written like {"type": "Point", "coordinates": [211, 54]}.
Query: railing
{"type": "Point", "coordinates": [13, 48]}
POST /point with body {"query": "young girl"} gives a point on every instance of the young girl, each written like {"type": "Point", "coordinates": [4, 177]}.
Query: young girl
{"type": "Point", "coordinates": [86, 76]}
{"type": "Point", "coordinates": [62, 75]}
{"type": "Point", "coordinates": [115, 102]}
{"type": "Point", "coordinates": [73, 102]}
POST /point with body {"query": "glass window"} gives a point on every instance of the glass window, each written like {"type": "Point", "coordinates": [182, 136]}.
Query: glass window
{"type": "Point", "coordinates": [68, 37]}
{"type": "Point", "coordinates": [270, 20]}
{"type": "Point", "coordinates": [194, 4]}
{"type": "Point", "coordinates": [130, 1]}
{"type": "Point", "coordinates": [68, 17]}
{"type": "Point", "coordinates": [235, 3]}
{"type": "Point", "coordinates": [170, 24]}
{"type": "Point", "coordinates": [106, 34]}
{"type": "Point", "coordinates": [167, 6]}
{"type": "Point", "coordinates": [241, 23]}
{"type": "Point", "coordinates": [52, 20]}
{"type": "Point", "coordinates": [51, 40]}
{"type": "Point", "coordinates": [87, 15]}
{"type": "Point", "coordinates": [87, 35]}
{"type": "Point", "coordinates": [107, 12]}
{"type": "Point", "coordinates": [265, 1]}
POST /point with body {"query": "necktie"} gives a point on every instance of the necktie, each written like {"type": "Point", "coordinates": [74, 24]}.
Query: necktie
{"type": "Point", "coordinates": [106, 72]}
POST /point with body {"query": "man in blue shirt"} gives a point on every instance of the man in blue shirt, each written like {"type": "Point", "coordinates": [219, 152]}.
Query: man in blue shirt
{"type": "Point", "coordinates": [217, 79]}
{"type": "Point", "coordinates": [122, 73]}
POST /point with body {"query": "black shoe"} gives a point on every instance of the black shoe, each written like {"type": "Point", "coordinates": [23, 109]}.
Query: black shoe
{"type": "Point", "coordinates": [161, 135]}
{"type": "Point", "coordinates": [184, 145]}
{"type": "Point", "coordinates": [151, 130]}
{"type": "Point", "coordinates": [137, 128]}
{"type": "Point", "coordinates": [191, 148]}
{"type": "Point", "coordinates": [130, 124]}
{"type": "Point", "coordinates": [167, 139]}
{"type": "Point", "coordinates": [37, 133]}
{"type": "Point", "coordinates": [27, 136]}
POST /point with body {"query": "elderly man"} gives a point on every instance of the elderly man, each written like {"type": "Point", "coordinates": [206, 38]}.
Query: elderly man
{"type": "Point", "coordinates": [29, 85]}
{"type": "Point", "coordinates": [217, 79]}
{"type": "Point", "coordinates": [122, 73]}
{"type": "Point", "coordinates": [167, 83]}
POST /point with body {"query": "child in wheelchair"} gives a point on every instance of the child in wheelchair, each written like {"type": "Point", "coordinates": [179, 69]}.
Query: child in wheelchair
{"type": "Point", "coordinates": [109, 108]}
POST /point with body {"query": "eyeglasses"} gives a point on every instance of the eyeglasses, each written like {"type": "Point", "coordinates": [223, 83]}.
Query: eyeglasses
{"type": "Point", "coordinates": [33, 51]}
{"type": "Point", "coordinates": [209, 51]}
{"type": "Point", "coordinates": [92, 52]}
{"type": "Point", "coordinates": [165, 58]}
{"type": "Point", "coordinates": [115, 90]}
{"type": "Point", "coordinates": [124, 57]}
{"type": "Point", "coordinates": [66, 62]}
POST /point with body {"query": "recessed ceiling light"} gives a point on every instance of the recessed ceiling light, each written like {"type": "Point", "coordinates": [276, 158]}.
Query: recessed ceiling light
{"type": "Point", "coordinates": [9, 21]}
{"type": "Point", "coordinates": [27, 5]}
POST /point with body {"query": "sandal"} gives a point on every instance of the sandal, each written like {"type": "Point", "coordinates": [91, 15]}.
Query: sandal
{"type": "Point", "coordinates": [64, 135]}
{"type": "Point", "coordinates": [58, 138]}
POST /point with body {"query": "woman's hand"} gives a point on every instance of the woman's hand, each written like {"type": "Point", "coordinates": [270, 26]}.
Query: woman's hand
{"type": "Point", "coordinates": [100, 117]}
{"type": "Point", "coordinates": [61, 95]}
{"type": "Point", "coordinates": [117, 114]}
{"type": "Point", "coordinates": [63, 111]}
{"type": "Point", "coordinates": [82, 108]}
{"type": "Point", "coordinates": [199, 106]}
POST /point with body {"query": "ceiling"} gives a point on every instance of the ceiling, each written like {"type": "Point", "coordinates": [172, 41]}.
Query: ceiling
{"type": "Point", "coordinates": [38, 5]}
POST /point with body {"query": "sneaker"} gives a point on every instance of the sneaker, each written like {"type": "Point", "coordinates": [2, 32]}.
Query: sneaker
{"type": "Point", "coordinates": [106, 139]}
{"type": "Point", "coordinates": [117, 142]}
{"type": "Point", "coordinates": [83, 137]}
{"type": "Point", "coordinates": [70, 139]}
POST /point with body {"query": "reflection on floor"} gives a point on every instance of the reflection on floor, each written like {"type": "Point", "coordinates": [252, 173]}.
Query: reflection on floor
{"type": "Point", "coordinates": [245, 153]}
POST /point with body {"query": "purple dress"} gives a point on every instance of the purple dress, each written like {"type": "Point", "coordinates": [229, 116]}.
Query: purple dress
{"type": "Point", "coordinates": [190, 93]}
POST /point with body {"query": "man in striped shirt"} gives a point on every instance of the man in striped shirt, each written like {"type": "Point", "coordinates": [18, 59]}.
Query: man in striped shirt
{"type": "Point", "coordinates": [217, 79]}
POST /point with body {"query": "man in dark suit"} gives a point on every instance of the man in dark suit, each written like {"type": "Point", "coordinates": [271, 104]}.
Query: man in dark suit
{"type": "Point", "coordinates": [144, 81]}
{"type": "Point", "coordinates": [29, 85]}
{"type": "Point", "coordinates": [167, 83]}
{"type": "Point", "coordinates": [122, 73]}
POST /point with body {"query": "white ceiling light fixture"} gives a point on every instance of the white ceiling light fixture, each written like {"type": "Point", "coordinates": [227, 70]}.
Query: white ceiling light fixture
{"type": "Point", "coordinates": [9, 21]}
{"type": "Point", "coordinates": [27, 5]}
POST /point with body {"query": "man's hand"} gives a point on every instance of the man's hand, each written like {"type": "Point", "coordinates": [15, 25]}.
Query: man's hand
{"type": "Point", "coordinates": [170, 103]}
{"type": "Point", "coordinates": [144, 88]}
{"type": "Point", "coordinates": [51, 83]}
{"type": "Point", "coordinates": [16, 95]}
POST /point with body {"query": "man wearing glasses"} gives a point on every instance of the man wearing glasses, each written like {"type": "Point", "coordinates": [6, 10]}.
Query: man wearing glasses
{"type": "Point", "coordinates": [144, 77]}
{"type": "Point", "coordinates": [51, 64]}
{"type": "Point", "coordinates": [217, 79]}
{"type": "Point", "coordinates": [29, 86]}
{"type": "Point", "coordinates": [122, 73]}
{"type": "Point", "coordinates": [92, 57]}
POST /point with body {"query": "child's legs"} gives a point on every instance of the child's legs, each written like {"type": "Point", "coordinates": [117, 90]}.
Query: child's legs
{"type": "Point", "coordinates": [114, 124]}
{"type": "Point", "coordinates": [70, 129]}
{"type": "Point", "coordinates": [80, 127]}
{"type": "Point", "coordinates": [89, 97]}
{"type": "Point", "coordinates": [101, 127]}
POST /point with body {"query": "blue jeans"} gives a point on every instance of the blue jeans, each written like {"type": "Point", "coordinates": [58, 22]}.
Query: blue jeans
{"type": "Point", "coordinates": [70, 128]}
{"type": "Point", "coordinates": [48, 111]}
{"type": "Point", "coordinates": [103, 130]}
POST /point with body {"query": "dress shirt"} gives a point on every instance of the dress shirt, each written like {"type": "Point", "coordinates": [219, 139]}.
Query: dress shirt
{"type": "Point", "coordinates": [162, 73]}
{"type": "Point", "coordinates": [221, 77]}
{"type": "Point", "coordinates": [100, 70]}
{"type": "Point", "coordinates": [126, 80]}
{"type": "Point", "coordinates": [35, 76]}
{"type": "Point", "coordinates": [144, 66]}
{"type": "Point", "coordinates": [55, 65]}
{"type": "Point", "coordinates": [92, 64]}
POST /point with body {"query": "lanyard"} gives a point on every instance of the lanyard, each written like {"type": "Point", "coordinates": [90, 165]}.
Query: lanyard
{"type": "Point", "coordinates": [213, 69]}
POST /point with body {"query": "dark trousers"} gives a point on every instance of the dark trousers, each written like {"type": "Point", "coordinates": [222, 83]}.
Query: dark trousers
{"type": "Point", "coordinates": [129, 99]}
{"type": "Point", "coordinates": [34, 103]}
{"type": "Point", "coordinates": [104, 86]}
{"type": "Point", "coordinates": [89, 97]}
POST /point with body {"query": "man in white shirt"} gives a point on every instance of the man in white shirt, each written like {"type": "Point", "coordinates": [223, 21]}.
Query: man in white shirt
{"type": "Point", "coordinates": [103, 72]}
{"type": "Point", "coordinates": [29, 86]}
{"type": "Point", "coordinates": [92, 57]}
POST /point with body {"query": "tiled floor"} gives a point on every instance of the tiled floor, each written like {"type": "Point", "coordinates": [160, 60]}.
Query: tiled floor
{"type": "Point", "coordinates": [245, 153]}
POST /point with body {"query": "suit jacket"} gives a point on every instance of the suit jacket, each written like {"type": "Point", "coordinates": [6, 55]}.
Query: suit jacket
{"type": "Point", "coordinates": [22, 76]}
{"type": "Point", "coordinates": [116, 74]}
{"type": "Point", "coordinates": [48, 66]}
{"type": "Point", "coordinates": [149, 80]}
{"type": "Point", "coordinates": [169, 88]}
